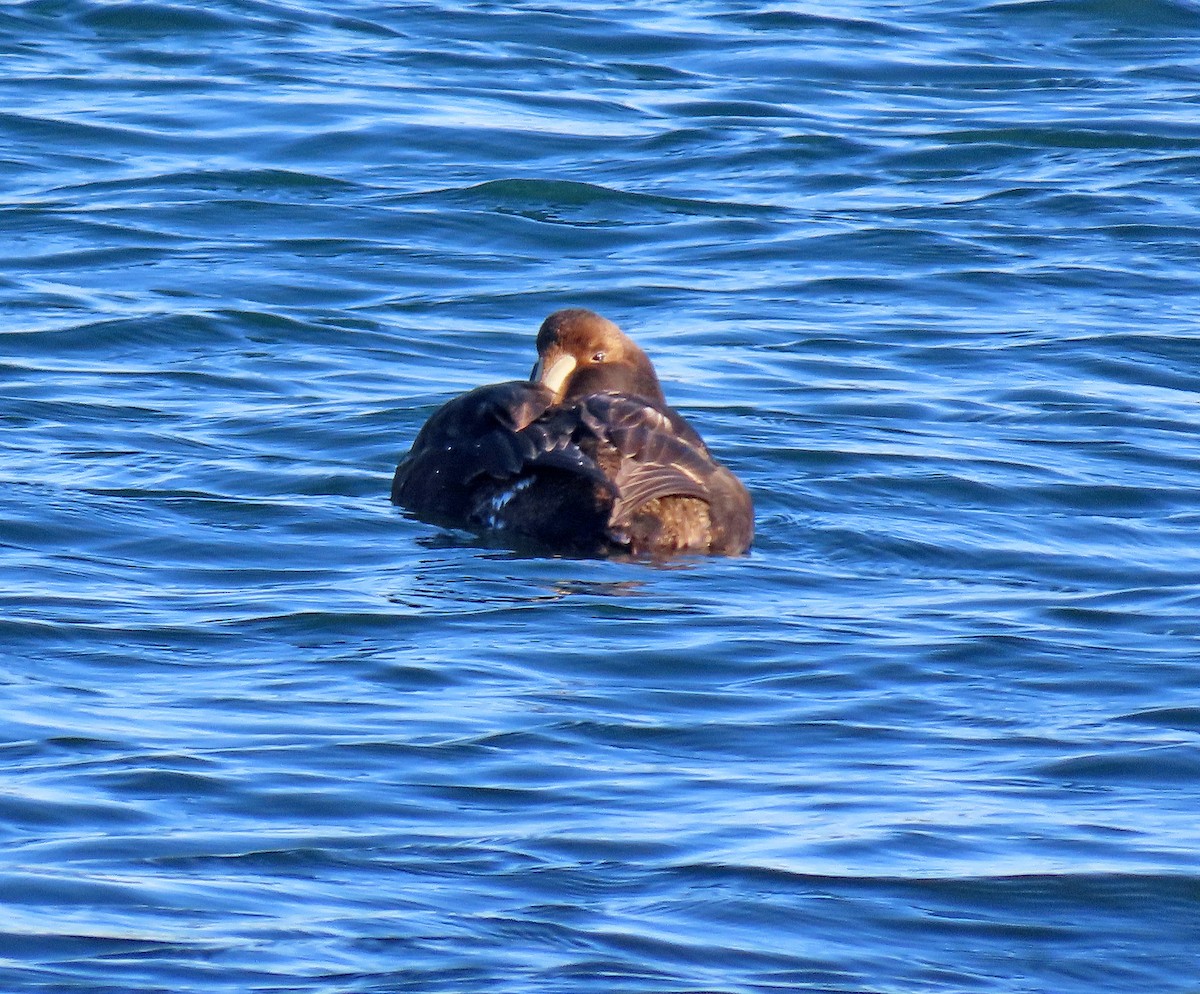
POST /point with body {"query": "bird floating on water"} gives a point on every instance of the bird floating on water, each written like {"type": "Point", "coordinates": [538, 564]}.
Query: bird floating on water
{"type": "Point", "coordinates": [583, 458]}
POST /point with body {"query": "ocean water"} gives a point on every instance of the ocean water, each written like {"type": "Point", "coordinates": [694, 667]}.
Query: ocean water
{"type": "Point", "coordinates": [926, 275]}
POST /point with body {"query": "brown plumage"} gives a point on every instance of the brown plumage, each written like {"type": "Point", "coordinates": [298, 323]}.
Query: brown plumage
{"type": "Point", "coordinates": [585, 457]}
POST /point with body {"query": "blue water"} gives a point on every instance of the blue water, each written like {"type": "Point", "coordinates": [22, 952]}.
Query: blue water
{"type": "Point", "coordinates": [926, 275]}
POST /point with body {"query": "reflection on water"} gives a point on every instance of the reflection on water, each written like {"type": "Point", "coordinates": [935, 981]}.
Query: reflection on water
{"type": "Point", "coordinates": [474, 582]}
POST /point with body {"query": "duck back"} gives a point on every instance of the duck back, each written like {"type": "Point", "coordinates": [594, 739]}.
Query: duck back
{"type": "Point", "coordinates": [585, 458]}
{"type": "Point", "coordinates": [604, 474]}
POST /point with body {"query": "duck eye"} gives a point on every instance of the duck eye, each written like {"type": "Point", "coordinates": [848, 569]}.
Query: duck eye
{"type": "Point", "coordinates": [599, 357]}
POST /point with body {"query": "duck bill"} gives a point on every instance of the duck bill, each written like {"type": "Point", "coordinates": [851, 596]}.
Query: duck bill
{"type": "Point", "coordinates": [553, 371]}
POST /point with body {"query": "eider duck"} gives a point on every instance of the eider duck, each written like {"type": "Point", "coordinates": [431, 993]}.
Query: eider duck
{"type": "Point", "coordinates": [584, 457]}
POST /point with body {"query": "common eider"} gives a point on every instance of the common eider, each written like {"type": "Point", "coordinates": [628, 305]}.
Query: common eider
{"type": "Point", "coordinates": [584, 457]}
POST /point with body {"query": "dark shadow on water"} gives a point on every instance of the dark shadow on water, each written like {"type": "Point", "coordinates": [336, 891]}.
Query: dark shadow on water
{"type": "Point", "coordinates": [513, 548]}
{"type": "Point", "coordinates": [453, 571]}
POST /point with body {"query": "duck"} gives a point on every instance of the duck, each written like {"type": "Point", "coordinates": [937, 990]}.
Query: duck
{"type": "Point", "coordinates": [585, 457]}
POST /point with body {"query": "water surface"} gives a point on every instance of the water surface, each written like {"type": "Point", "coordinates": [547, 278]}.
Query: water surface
{"type": "Point", "coordinates": [924, 275]}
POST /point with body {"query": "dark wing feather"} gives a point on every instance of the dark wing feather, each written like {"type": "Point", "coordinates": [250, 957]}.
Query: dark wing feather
{"type": "Point", "coordinates": [655, 459]}
{"type": "Point", "coordinates": [639, 483]}
{"type": "Point", "coordinates": [473, 436]}
{"type": "Point", "coordinates": [480, 458]}
{"type": "Point", "coordinates": [505, 406]}
{"type": "Point", "coordinates": [561, 452]}
{"type": "Point", "coordinates": [553, 442]}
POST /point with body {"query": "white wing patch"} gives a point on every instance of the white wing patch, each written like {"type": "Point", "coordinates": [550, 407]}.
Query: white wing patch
{"type": "Point", "coordinates": [500, 501]}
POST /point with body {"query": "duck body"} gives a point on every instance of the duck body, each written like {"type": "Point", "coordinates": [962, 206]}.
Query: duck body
{"type": "Point", "coordinates": [584, 458]}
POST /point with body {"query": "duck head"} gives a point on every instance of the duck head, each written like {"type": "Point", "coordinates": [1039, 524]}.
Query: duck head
{"type": "Point", "coordinates": [581, 353]}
